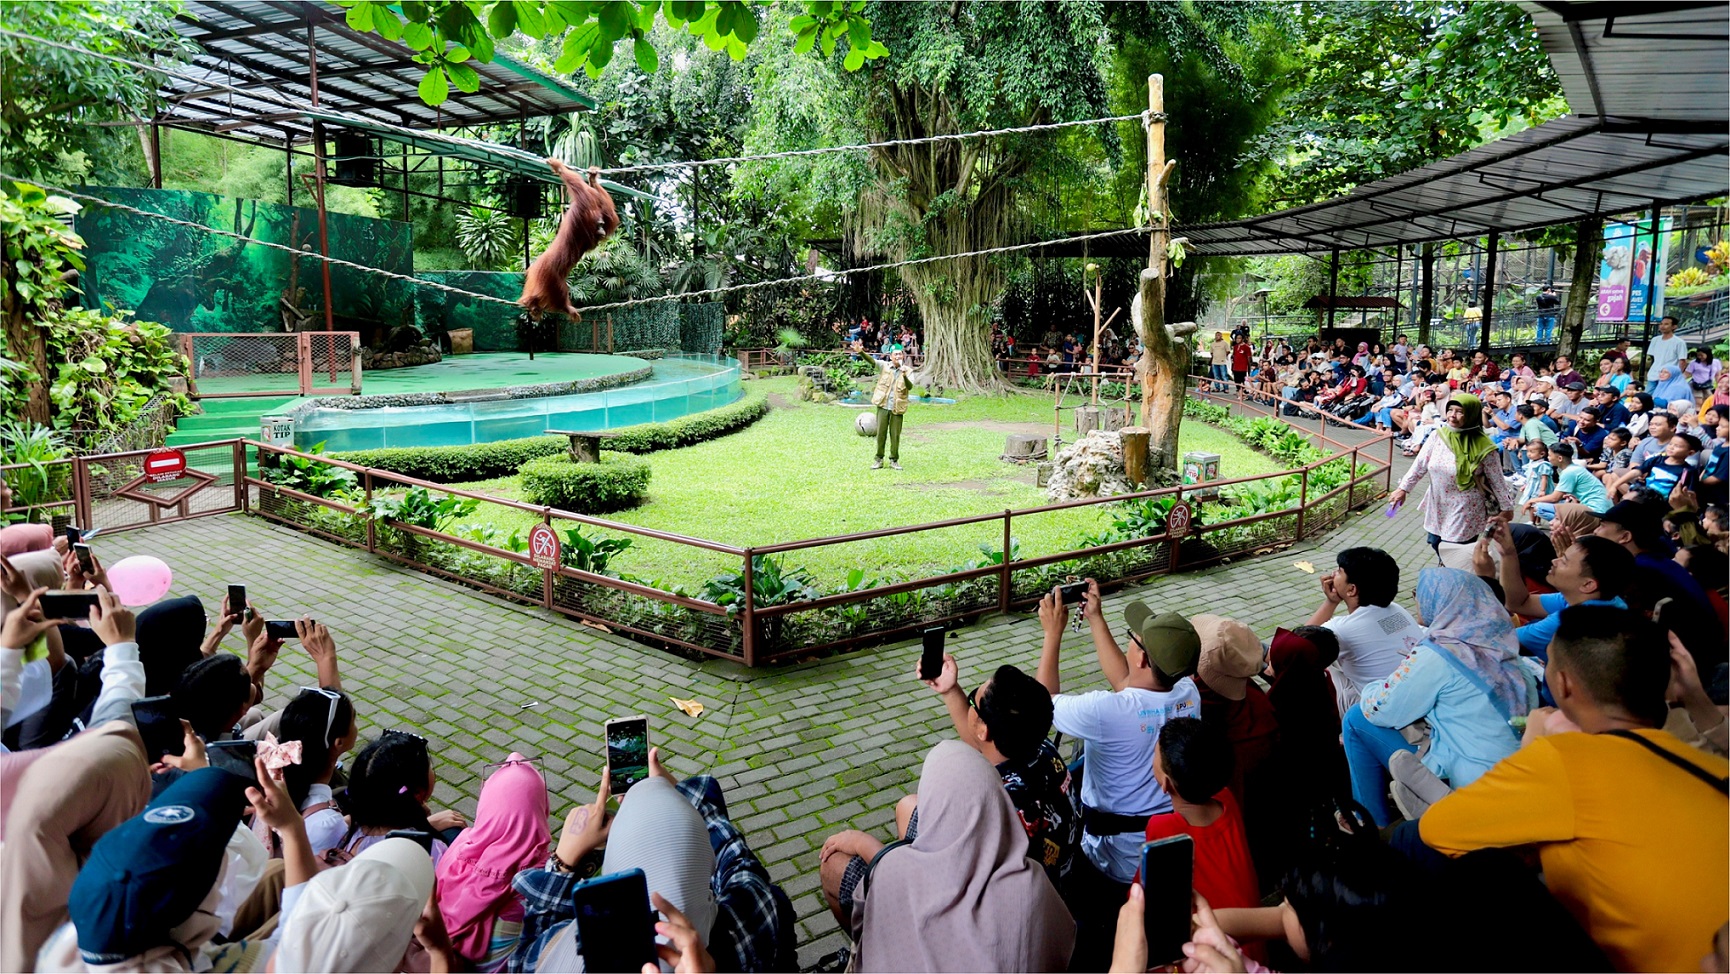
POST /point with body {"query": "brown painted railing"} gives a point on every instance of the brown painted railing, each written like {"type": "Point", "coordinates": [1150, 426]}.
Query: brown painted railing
{"type": "Point", "coordinates": [227, 476]}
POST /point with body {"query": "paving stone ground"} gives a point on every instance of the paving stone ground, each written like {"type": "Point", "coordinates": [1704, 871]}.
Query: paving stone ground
{"type": "Point", "coordinates": [802, 751]}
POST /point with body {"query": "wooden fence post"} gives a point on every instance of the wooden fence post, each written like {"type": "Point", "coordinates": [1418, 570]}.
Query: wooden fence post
{"type": "Point", "coordinates": [371, 531]}
{"type": "Point", "coordinates": [1303, 501]}
{"type": "Point", "coordinates": [748, 617]}
{"type": "Point", "coordinates": [1004, 577]}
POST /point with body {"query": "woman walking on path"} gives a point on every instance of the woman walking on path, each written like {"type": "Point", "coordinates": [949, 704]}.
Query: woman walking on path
{"type": "Point", "coordinates": [1466, 488]}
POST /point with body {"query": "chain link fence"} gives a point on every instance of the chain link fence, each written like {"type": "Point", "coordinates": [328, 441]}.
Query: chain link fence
{"type": "Point", "coordinates": [272, 364]}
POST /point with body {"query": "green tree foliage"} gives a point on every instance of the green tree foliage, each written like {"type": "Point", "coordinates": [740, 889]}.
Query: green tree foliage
{"type": "Point", "coordinates": [1388, 86]}
{"type": "Point", "coordinates": [50, 97]}
{"type": "Point", "coordinates": [447, 34]}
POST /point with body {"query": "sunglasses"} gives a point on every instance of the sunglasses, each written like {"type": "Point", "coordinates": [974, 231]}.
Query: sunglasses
{"type": "Point", "coordinates": [330, 718]}
{"type": "Point", "coordinates": [393, 732]}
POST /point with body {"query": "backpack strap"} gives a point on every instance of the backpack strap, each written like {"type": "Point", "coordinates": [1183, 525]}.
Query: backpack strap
{"type": "Point", "coordinates": [1721, 784]}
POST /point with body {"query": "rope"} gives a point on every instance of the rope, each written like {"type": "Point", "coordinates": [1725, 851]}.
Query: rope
{"type": "Point", "coordinates": [362, 121]}
{"type": "Point", "coordinates": [610, 306]}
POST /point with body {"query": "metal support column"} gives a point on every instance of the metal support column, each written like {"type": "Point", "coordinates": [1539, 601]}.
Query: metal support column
{"type": "Point", "coordinates": [318, 178]}
{"type": "Point", "coordinates": [1489, 292]}
{"type": "Point", "coordinates": [1652, 264]}
{"type": "Point", "coordinates": [1333, 283]}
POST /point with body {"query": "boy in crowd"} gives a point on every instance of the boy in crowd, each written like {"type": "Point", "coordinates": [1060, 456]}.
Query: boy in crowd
{"type": "Point", "coordinates": [1571, 481]}
{"type": "Point", "coordinates": [1192, 763]}
{"type": "Point", "coordinates": [1590, 571]}
{"type": "Point", "coordinates": [1375, 635]}
{"type": "Point", "coordinates": [1616, 456]}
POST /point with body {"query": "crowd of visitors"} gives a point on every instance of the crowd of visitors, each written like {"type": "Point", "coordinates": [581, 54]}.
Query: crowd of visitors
{"type": "Point", "coordinates": [1534, 718]}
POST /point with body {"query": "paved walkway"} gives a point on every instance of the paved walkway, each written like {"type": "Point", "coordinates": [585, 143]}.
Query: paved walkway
{"type": "Point", "coordinates": [802, 751]}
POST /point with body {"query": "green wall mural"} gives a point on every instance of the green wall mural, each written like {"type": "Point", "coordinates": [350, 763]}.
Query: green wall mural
{"type": "Point", "coordinates": [494, 325]}
{"type": "Point", "coordinates": [194, 281]}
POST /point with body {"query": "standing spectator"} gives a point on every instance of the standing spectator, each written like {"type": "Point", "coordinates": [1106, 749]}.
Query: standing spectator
{"type": "Point", "coordinates": [1241, 352]}
{"type": "Point", "coordinates": [1220, 358]}
{"type": "Point", "coordinates": [1007, 718]}
{"type": "Point", "coordinates": [1666, 365]}
{"type": "Point", "coordinates": [1652, 894]}
{"type": "Point", "coordinates": [1465, 492]}
{"type": "Point", "coordinates": [1375, 635]}
{"type": "Point", "coordinates": [1703, 373]}
{"type": "Point", "coordinates": [1548, 304]}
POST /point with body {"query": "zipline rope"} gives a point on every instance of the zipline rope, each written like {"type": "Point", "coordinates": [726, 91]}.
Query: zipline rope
{"type": "Point", "coordinates": [362, 121]}
{"type": "Point", "coordinates": [827, 276]}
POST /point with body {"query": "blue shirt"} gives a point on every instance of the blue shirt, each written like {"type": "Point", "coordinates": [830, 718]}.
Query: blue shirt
{"type": "Point", "coordinates": [1535, 636]}
{"type": "Point", "coordinates": [1591, 441]}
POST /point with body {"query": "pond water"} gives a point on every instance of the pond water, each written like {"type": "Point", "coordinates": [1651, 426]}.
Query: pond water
{"type": "Point", "coordinates": [678, 387]}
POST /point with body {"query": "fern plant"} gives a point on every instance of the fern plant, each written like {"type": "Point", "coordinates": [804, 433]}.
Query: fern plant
{"type": "Point", "coordinates": [612, 272]}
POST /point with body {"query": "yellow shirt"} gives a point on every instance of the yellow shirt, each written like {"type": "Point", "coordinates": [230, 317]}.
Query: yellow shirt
{"type": "Point", "coordinates": [1635, 847]}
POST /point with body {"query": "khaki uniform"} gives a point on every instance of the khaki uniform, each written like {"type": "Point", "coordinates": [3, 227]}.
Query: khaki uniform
{"type": "Point", "coordinates": [891, 398]}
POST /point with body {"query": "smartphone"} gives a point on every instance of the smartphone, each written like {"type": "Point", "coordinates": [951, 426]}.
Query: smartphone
{"type": "Point", "coordinates": [63, 604]}
{"type": "Point", "coordinates": [1072, 592]}
{"type": "Point", "coordinates": [159, 726]}
{"type": "Point", "coordinates": [74, 534]}
{"type": "Point", "coordinates": [281, 629]}
{"type": "Point", "coordinates": [1167, 880]}
{"type": "Point", "coordinates": [86, 563]}
{"type": "Point", "coordinates": [420, 836]}
{"type": "Point", "coordinates": [615, 921]}
{"type": "Point", "coordinates": [237, 600]}
{"type": "Point", "coordinates": [627, 756]}
{"type": "Point", "coordinates": [931, 660]}
{"type": "Point", "coordinates": [234, 757]}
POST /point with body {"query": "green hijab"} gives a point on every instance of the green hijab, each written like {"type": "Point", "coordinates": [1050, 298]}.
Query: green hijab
{"type": "Point", "coordinates": [1469, 444]}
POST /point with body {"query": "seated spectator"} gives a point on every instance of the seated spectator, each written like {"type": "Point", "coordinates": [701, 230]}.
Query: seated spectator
{"type": "Point", "coordinates": [903, 904]}
{"type": "Point", "coordinates": [1193, 762]}
{"type": "Point", "coordinates": [1007, 718]}
{"type": "Point", "coordinates": [322, 719]}
{"type": "Point", "coordinates": [1150, 684]}
{"type": "Point", "coordinates": [1638, 527]}
{"type": "Point", "coordinates": [1465, 680]}
{"type": "Point", "coordinates": [1375, 635]}
{"type": "Point", "coordinates": [1608, 399]}
{"type": "Point", "coordinates": [1587, 436]}
{"type": "Point", "coordinates": [147, 898]}
{"type": "Point", "coordinates": [482, 914]}
{"type": "Point", "coordinates": [1589, 571]}
{"type": "Point", "coordinates": [1640, 412]}
{"type": "Point", "coordinates": [1573, 483]}
{"type": "Point", "coordinates": [1503, 419]}
{"type": "Point", "coordinates": [363, 916]}
{"type": "Point", "coordinates": [387, 792]}
{"type": "Point", "coordinates": [1652, 895]}
{"type": "Point", "coordinates": [1230, 702]}
{"type": "Point", "coordinates": [700, 872]}
{"type": "Point", "coordinates": [1616, 455]}
{"type": "Point", "coordinates": [1304, 702]}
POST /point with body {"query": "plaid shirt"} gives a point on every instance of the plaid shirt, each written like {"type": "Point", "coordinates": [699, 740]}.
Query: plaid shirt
{"type": "Point", "coordinates": [748, 934]}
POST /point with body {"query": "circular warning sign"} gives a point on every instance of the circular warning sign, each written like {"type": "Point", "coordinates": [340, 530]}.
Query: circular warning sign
{"type": "Point", "coordinates": [543, 547]}
{"type": "Point", "coordinates": [1177, 522]}
{"type": "Point", "coordinates": [163, 465]}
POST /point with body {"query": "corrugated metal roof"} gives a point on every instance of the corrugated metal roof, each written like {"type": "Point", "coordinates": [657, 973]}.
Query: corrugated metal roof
{"type": "Point", "coordinates": [1644, 59]}
{"type": "Point", "coordinates": [263, 46]}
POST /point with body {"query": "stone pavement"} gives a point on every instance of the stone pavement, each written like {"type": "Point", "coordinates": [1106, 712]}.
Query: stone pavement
{"type": "Point", "coordinates": [802, 751]}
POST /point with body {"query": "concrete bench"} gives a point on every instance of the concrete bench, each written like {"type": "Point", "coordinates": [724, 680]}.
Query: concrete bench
{"type": "Point", "coordinates": [585, 444]}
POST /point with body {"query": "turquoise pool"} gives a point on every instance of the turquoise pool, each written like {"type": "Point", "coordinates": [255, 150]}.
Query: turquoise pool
{"type": "Point", "coordinates": [678, 387]}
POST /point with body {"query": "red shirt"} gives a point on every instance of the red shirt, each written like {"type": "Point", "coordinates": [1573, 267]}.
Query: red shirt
{"type": "Point", "coordinates": [1224, 872]}
{"type": "Point", "coordinates": [1240, 354]}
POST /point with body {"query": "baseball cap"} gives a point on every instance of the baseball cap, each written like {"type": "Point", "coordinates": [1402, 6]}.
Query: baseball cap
{"type": "Point", "coordinates": [1230, 655]}
{"type": "Point", "coordinates": [1575, 387]}
{"type": "Point", "coordinates": [360, 916]}
{"type": "Point", "coordinates": [150, 872]}
{"type": "Point", "coordinates": [1171, 642]}
{"type": "Point", "coordinates": [1641, 519]}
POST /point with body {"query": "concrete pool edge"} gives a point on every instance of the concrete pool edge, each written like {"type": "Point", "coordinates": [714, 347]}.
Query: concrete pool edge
{"type": "Point", "coordinates": [544, 389]}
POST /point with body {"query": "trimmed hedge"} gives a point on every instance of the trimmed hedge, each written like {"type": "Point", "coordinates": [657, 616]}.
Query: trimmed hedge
{"type": "Point", "coordinates": [501, 458]}
{"type": "Point", "coordinates": [686, 430]}
{"type": "Point", "coordinates": [586, 488]}
{"type": "Point", "coordinates": [456, 464]}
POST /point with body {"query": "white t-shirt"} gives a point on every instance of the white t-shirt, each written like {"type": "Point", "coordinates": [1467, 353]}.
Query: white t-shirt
{"type": "Point", "coordinates": [1374, 640]}
{"type": "Point", "coordinates": [1121, 729]}
{"type": "Point", "coordinates": [1664, 353]}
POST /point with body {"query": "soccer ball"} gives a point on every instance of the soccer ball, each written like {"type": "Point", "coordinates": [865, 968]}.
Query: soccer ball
{"type": "Point", "coordinates": [865, 424]}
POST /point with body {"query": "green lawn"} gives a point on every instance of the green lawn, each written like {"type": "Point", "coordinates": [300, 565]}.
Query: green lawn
{"type": "Point", "coordinates": [802, 472]}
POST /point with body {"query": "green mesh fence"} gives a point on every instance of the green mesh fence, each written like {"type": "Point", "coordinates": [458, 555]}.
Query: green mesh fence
{"type": "Point", "coordinates": [194, 281]}
{"type": "Point", "coordinates": [494, 325]}
{"type": "Point", "coordinates": [700, 327]}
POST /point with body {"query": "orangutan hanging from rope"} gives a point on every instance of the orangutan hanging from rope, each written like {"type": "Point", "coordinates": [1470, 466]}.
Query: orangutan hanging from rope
{"type": "Point", "coordinates": [589, 218]}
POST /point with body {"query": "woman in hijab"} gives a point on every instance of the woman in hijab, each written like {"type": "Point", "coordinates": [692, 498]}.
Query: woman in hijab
{"type": "Point", "coordinates": [1466, 489]}
{"type": "Point", "coordinates": [481, 912]}
{"type": "Point", "coordinates": [1466, 679]}
{"type": "Point", "coordinates": [1306, 706]}
{"type": "Point", "coordinates": [963, 896]}
{"type": "Point", "coordinates": [65, 801]}
{"type": "Point", "coordinates": [1362, 357]}
{"type": "Point", "coordinates": [34, 717]}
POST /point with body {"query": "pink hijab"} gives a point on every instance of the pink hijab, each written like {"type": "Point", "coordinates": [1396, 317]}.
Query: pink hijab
{"type": "Point", "coordinates": [509, 835]}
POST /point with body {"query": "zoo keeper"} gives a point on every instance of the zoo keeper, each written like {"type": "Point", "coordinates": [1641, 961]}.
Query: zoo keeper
{"type": "Point", "coordinates": [894, 383]}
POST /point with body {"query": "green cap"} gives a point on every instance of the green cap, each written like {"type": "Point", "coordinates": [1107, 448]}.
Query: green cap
{"type": "Point", "coordinates": [896, 348]}
{"type": "Point", "coordinates": [1172, 644]}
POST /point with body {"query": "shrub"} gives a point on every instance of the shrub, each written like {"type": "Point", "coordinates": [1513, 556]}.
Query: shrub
{"type": "Point", "coordinates": [501, 458]}
{"type": "Point", "coordinates": [455, 464]}
{"type": "Point", "coordinates": [586, 488]}
{"type": "Point", "coordinates": [686, 430]}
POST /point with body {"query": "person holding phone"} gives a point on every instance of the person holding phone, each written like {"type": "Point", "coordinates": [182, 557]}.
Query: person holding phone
{"type": "Point", "coordinates": [387, 792]}
{"type": "Point", "coordinates": [903, 905]}
{"type": "Point", "coordinates": [891, 398]}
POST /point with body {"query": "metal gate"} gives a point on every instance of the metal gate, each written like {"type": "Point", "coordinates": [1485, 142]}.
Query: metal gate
{"type": "Point", "coordinates": [230, 364]}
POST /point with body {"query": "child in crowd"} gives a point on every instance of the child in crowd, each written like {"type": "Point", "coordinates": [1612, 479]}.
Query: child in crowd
{"type": "Point", "coordinates": [1617, 454]}
{"type": "Point", "coordinates": [1193, 762]}
{"type": "Point", "coordinates": [1536, 477]}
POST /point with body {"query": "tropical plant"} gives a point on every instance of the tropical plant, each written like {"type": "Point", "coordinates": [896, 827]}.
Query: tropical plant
{"type": "Point", "coordinates": [488, 236]}
{"type": "Point", "coordinates": [416, 507]}
{"type": "Point", "coordinates": [309, 476]}
{"type": "Point", "coordinates": [41, 480]}
{"type": "Point", "coordinates": [771, 584]}
{"type": "Point", "coordinates": [611, 272]}
{"type": "Point", "coordinates": [586, 554]}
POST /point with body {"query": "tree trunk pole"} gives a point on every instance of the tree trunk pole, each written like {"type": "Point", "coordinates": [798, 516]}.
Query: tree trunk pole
{"type": "Point", "coordinates": [1427, 298]}
{"type": "Point", "coordinates": [1153, 286]}
{"type": "Point", "coordinates": [1096, 299]}
{"type": "Point", "coordinates": [1588, 247]}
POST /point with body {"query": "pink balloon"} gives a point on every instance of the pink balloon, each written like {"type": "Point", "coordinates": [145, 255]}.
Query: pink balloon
{"type": "Point", "coordinates": [140, 579]}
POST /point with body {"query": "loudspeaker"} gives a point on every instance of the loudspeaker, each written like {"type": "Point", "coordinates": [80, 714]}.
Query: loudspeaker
{"type": "Point", "coordinates": [356, 162]}
{"type": "Point", "coordinates": [525, 196]}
